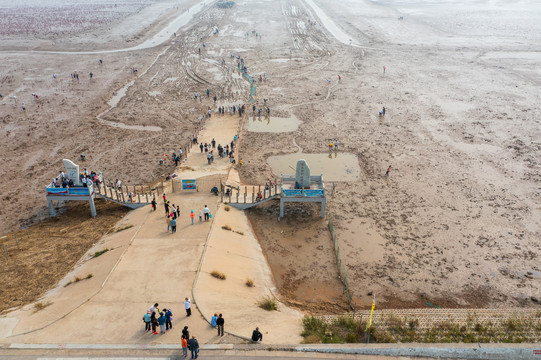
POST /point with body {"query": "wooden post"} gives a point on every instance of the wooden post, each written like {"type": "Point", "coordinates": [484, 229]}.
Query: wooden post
{"type": "Point", "coordinates": [123, 199]}
{"type": "Point", "coordinates": [231, 194]}
{"type": "Point", "coordinates": [238, 190]}
{"type": "Point", "coordinates": [259, 190]}
{"type": "Point", "coordinates": [139, 197]}
{"type": "Point", "coordinates": [245, 191]}
{"type": "Point", "coordinates": [253, 191]}
{"type": "Point", "coordinates": [221, 191]}
{"type": "Point", "coordinates": [146, 194]}
{"type": "Point", "coordinates": [117, 197]}
{"type": "Point", "coordinates": [5, 251]}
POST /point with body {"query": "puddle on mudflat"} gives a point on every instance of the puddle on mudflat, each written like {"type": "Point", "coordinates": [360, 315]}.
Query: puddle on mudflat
{"type": "Point", "coordinates": [119, 94]}
{"type": "Point", "coordinates": [130, 127]}
{"type": "Point", "coordinates": [273, 124]}
{"type": "Point", "coordinates": [334, 166]}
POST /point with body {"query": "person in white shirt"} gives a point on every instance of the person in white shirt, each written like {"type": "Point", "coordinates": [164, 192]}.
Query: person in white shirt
{"type": "Point", "coordinates": [154, 308]}
{"type": "Point", "coordinates": [206, 211]}
{"type": "Point", "coordinates": [188, 306]}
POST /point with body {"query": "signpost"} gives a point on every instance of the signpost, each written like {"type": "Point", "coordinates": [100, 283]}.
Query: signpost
{"type": "Point", "coordinates": [189, 185]}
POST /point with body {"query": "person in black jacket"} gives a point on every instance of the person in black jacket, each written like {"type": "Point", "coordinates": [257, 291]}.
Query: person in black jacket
{"type": "Point", "coordinates": [256, 335]}
{"type": "Point", "coordinates": [194, 347]}
{"type": "Point", "coordinates": [220, 324]}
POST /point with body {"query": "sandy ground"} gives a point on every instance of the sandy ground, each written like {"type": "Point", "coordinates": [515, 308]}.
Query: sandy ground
{"type": "Point", "coordinates": [456, 222]}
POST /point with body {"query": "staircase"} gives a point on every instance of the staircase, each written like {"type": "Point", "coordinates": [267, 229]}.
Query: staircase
{"type": "Point", "coordinates": [139, 197]}
{"type": "Point", "coordinates": [248, 205]}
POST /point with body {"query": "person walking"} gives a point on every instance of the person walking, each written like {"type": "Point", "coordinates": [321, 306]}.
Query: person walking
{"type": "Point", "coordinates": [188, 306]}
{"type": "Point", "coordinates": [153, 203]}
{"type": "Point", "coordinates": [200, 215]}
{"type": "Point", "coordinates": [186, 333]}
{"type": "Point", "coordinates": [201, 147]}
{"type": "Point", "coordinates": [174, 225]}
{"type": "Point", "coordinates": [166, 206]}
{"type": "Point", "coordinates": [213, 320]}
{"type": "Point", "coordinates": [388, 171]}
{"type": "Point", "coordinates": [194, 347]}
{"type": "Point", "coordinates": [192, 215]}
{"type": "Point", "coordinates": [206, 211]}
{"type": "Point", "coordinates": [146, 319]}
{"type": "Point", "coordinates": [154, 322]}
{"type": "Point", "coordinates": [168, 319]}
{"type": "Point", "coordinates": [256, 335]}
{"type": "Point", "coordinates": [383, 110]}
{"type": "Point", "coordinates": [169, 221]}
{"type": "Point", "coordinates": [220, 323]}
{"type": "Point", "coordinates": [184, 342]}
{"type": "Point", "coordinates": [161, 321]}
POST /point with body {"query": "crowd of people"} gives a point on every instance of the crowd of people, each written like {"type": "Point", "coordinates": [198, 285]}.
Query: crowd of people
{"type": "Point", "coordinates": [163, 319]}
{"type": "Point", "coordinates": [85, 178]}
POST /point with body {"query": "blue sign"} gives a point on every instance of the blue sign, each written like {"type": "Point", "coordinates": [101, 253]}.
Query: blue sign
{"type": "Point", "coordinates": [189, 185]}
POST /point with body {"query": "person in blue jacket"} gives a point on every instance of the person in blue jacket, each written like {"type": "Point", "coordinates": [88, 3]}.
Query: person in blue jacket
{"type": "Point", "coordinates": [213, 320]}
{"type": "Point", "coordinates": [146, 319]}
{"type": "Point", "coordinates": [161, 322]}
{"type": "Point", "coordinates": [168, 319]}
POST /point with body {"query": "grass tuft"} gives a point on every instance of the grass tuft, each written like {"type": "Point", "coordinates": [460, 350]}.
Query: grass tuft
{"type": "Point", "coordinates": [249, 283]}
{"type": "Point", "coordinates": [41, 305]}
{"type": "Point", "coordinates": [227, 208]}
{"type": "Point", "coordinates": [99, 253]}
{"type": "Point", "coordinates": [226, 227]}
{"type": "Point", "coordinates": [127, 226]}
{"type": "Point", "coordinates": [268, 303]}
{"type": "Point", "coordinates": [218, 275]}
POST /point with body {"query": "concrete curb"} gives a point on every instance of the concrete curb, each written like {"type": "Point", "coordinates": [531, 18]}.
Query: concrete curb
{"type": "Point", "coordinates": [449, 351]}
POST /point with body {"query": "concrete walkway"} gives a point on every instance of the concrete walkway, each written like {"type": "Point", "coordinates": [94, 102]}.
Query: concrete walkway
{"type": "Point", "coordinates": [147, 264]}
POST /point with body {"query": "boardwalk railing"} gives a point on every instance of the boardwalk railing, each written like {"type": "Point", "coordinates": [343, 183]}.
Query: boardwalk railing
{"type": "Point", "coordinates": [129, 195]}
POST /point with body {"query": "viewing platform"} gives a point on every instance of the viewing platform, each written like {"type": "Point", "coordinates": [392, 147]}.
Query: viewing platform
{"type": "Point", "coordinates": [299, 188]}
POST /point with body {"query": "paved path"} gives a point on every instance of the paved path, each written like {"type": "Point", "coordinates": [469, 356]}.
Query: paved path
{"type": "Point", "coordinates": [147, 264]}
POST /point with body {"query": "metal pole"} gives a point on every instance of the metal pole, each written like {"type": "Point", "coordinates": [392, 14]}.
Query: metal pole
{"type": "Point", "coordinates": [16, 240]}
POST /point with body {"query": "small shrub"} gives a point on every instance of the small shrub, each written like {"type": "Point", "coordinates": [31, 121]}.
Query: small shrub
{"type": "Point", "coordinates": [40, 305]}
{"type": "Point", "coordinates": [218, 275]}
{"type": "Point", "coordinates": [89, 276]}
{"type": "Point", "coordinates": [99, 253]}
{"type": "Point", "coordinates": [238, 232]}
{"type": "Point", "coordinates": [268, 303]}
{"type": "Point", "coordinates": [226, 227]}
{"type": "Point", "coordinates": [227, 208]}
{"type": "Point", "coordinates": [77, 279]}
{"type": "Point", "coordinates": [68, 283]}
{"type": "Point", "coordinates": [249, 283]}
